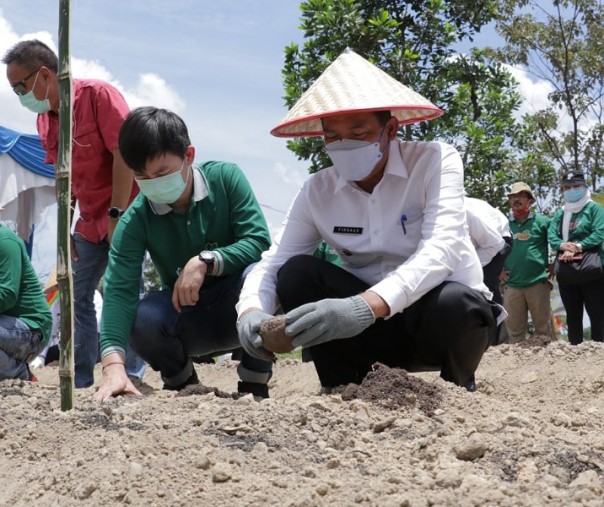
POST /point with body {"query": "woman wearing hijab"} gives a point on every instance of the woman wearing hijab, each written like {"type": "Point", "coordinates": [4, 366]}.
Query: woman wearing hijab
{"type": "Point", "coordinates": [574, 229]}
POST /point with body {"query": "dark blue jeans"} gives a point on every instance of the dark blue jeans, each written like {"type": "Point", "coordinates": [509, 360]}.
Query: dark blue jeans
{"type": "Point", "coordinates": [17, 343]}
{"type": "Point", "coordinates": [87, 272]}
{"type": "Point", "coordinates": [167, 339]}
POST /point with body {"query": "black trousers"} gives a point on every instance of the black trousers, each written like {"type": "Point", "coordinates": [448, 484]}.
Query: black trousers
{"type": "Point", "coordinates": [448, 329]}
{"type": "Point", "coordinates": [493, 269]}
{"type": "Point", "coordinates": [575, 298]}
{"type": "Point", "coordinates": [491, 274]}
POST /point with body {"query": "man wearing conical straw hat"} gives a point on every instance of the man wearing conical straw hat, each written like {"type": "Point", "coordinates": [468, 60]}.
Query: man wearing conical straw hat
{"type": "Point", "coordinates": [409, 293]}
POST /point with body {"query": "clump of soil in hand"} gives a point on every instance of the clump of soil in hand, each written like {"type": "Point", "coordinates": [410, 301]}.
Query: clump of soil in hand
{"type": "Point", "coordinates": [393, 388]}
{"type": "Point", "coordinates": [273, 335]}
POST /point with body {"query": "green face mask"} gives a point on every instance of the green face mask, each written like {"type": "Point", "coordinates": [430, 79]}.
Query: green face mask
{"type": "Point", "coordinates": [165, 189]}
{"type": "Point", "coordinates": [30, 101]}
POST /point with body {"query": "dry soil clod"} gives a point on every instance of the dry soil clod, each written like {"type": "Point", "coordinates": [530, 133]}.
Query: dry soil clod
{"type": "Point", "coordinates": [273, 335]}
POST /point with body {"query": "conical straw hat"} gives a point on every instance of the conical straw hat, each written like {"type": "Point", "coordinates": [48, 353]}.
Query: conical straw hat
{"type": "Point", "coordinates": [351, 85]}
{"type": "Point", "coordinates": [51, 281]}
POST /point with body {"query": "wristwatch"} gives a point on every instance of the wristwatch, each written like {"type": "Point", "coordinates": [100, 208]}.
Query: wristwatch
{"type": "Point", "coordinates": [115, 213]}
{"type": "Point", "coordinates": [209, 258]}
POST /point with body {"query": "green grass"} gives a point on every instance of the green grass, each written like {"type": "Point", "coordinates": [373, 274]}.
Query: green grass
{"type": "Point", "coordinates": [295, 354]}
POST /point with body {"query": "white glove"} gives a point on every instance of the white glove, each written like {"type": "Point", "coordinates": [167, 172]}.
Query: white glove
{"type": "Point", "coordinates": [37, 362]}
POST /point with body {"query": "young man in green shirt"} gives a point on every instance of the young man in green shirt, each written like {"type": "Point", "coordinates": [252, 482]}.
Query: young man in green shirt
{"type": "Point", "coordinates": [525, 271]}
{"type": "Point", "coordinates": [202, 227]}
{"type": "Point", "coordinates": [25, 319]}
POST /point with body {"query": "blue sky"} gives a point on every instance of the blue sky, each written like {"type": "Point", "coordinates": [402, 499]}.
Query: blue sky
{"type": "Point", "coordinates": [216, 63]}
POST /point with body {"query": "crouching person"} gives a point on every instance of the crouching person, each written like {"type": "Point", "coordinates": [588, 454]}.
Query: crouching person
{"type": "Point", "coordinates": [202, 227]}
{"type": "Point", "coordinates": [25, 320]}
{"type": "Point", "coordinates": [409, 292]}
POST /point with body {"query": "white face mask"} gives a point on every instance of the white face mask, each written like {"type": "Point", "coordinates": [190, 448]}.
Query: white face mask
{"type": "Point", "coordinates": [355, 160]}
{"type": "Point", "coordinates": [30, 101]}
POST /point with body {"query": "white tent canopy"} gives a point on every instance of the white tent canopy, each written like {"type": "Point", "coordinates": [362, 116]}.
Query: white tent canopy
{"type": "Point", "coordinates": [27, 185]}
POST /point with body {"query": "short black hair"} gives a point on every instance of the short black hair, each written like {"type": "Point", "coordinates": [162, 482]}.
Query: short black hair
{"type": "Point", "coordinates": [383, 116]}
{"type": "Point", "coordinates": [149, 132]}
{"type": "Point", "coordinates": [32, 54]}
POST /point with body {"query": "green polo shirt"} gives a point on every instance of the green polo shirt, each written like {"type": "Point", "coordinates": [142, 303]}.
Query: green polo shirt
{"type": "Point", "coordinates": [223, 217]}
{"type": "Point", "coordinates": [585, 227]}
{"type": "Point", "coordinates": [527, 263]}
{"type": "Point", "coordinates": [21, 294]}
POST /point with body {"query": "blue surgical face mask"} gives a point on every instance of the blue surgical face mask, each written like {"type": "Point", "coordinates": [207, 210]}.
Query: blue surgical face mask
{"type": "Point", "coordinates": [30, 101]}
{"type": "Point", "coordinates": [355, 160]}
{"type": "Point", "coordinates": [165, 189]}
{"type": "Point", "coordinates": [574, 194]}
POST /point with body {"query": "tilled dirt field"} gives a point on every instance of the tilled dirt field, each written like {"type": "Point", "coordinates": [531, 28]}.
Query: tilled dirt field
{"type": "Point", "coordinates": [532, 435]}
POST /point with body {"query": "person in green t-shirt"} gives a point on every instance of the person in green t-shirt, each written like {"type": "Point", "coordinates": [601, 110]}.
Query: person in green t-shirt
{"type": "Point", "coordinates": [202, 227]}
{"type": "Point", "coordinates": [25, 319]}
{"type": "Point", "coordinates": [525, 271]}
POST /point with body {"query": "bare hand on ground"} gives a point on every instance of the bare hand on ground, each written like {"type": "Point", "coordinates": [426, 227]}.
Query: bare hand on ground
{"type": "Point", "coordinates": [115, 381]}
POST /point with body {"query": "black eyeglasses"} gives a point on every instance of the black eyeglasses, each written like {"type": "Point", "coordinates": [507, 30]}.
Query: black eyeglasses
{"type": "Point", "coordinates": [20, 88]}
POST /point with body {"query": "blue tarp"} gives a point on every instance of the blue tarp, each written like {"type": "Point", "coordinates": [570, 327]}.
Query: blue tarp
{"type": "Point", "coordinates": [27, 150]}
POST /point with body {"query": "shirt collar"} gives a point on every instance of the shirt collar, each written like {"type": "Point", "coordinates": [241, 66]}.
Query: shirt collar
{"type": "Point", "coordinates": [394, 166]}
{"type": "Point", "coordinates": [200, 192]}
{"type": "Point", "coordinates": [530, 215]}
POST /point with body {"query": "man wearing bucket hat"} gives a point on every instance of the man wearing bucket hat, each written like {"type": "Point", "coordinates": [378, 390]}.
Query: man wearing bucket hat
{"type": "Point", "coordinates": [525, 271]}
{"type": "Point", "coordinates": [409, 291]}
{"type": "Point", "coordinates": [25, 319]}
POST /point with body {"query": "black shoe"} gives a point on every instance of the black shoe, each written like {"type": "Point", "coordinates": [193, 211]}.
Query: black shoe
{"type": "Point", "coordinates": [191, 380]}
{"type": "Point", "coordinates": [258, 390]}
{"type": "Point", "coordinates": [471, 384]}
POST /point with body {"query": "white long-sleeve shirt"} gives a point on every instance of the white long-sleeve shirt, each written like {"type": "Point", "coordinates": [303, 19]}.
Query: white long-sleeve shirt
{"type": "Point", "coordinates": [405, 238]}
{"type": "Point", "coordinates": [488, 226]}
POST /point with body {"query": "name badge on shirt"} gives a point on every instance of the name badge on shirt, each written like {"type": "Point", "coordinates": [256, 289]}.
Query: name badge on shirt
{"type": "Point", "coordinates": [338, 229]}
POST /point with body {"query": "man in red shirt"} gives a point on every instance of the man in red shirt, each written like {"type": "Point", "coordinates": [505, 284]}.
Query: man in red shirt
{"type": "Point", "coordinates": [101, 184]}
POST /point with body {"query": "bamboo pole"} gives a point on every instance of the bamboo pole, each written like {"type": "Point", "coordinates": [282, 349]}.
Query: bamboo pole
{"type": "Point", "coordinates": [63, 182]}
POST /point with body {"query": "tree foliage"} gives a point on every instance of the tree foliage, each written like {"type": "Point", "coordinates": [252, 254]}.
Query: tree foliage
{"type": "Point", "coordinates": [414, 41]}
{"type": "Point", "coordinates": [563, 46]}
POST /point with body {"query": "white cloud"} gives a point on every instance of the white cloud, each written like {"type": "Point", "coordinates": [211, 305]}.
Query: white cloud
{"type": "Point", "coordinates": [153, 90]}
{"type": "Point", "coordinates": [290, 175]}
{"type": "Point", "coordinates": [91, 70]}
{"type": "Point", "coordinates": [534, 92]}
{"type": "Point", "coordinates": [150, 88]}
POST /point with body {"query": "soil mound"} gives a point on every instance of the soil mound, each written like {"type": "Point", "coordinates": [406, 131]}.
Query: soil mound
{"type": "Point", "coordinates": [393, 388]}
{"type": "Point", "coordinates": [535, 341]}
